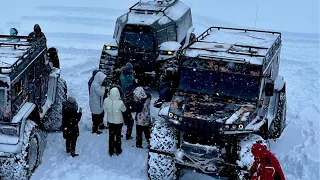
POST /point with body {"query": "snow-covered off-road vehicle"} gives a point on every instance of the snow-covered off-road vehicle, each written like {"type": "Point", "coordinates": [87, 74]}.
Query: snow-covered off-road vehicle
{"type": "Point", "coordinates": [31, 95]}
{"type": "Point", "coordinates": [150, 29]}
{"type": "Point", "coordinates": [228, 97]}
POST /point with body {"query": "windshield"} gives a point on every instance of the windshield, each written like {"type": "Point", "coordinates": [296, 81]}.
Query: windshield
{"type": "Point", "coordinates": [198, 81]}
{"type": "Point", "coordinates": [137, 40]}
{"type": "Point", "coordinates": [221, 84]}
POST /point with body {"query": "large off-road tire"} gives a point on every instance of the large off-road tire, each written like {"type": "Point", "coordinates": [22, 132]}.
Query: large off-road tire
{"type": "Point", "coordinates": [279, 123]}
{"type": "Point", "coordinates": [108, 68]}
{"type": "Point", "coordinates": [246, 158]}
{"type": "Point", "coordinates": [21, 166]}
{"type": "Point", "coordinates": [53, 120]}
{"type": "Point", "coordinates": [161, 166]}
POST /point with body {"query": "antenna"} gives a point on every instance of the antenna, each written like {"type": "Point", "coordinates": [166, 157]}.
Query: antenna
{"type": "Point", "coordinates": [255, 23]}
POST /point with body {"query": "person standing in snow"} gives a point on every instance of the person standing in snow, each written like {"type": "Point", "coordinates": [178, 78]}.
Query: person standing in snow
{"type": "Point", "coordinates": [101, 124]}
{"type": "Point", "coordinates": [143, 118]}
{"type": "Point", "coordinates": [70, 120]}
{"type": "Point", "coordinates": [127, 81]}
{"type": "Point", "coordinates": [266, 165]}
{"type": "Point", "coordinates": [114, 107]}
{"type": "Point", "coordinates": [36, 34]}
{"type": "Point", "coordinates": [96, 101]}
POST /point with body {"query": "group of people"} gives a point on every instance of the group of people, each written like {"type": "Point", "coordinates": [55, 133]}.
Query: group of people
{"type": "Point", "coordinates": [111, 107]}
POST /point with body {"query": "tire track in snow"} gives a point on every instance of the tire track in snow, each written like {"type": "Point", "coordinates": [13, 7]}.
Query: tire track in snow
{"type": "Point", "coordinates": [74, 9]}
{"type": "Point", "coordinates": [86, 21]}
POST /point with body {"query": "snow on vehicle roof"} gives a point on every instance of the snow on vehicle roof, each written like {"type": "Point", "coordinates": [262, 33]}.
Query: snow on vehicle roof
{"type": "Point", "coordinates": [149, 12]}
{"type": "Point", "coordinates": [248, 46]}
{"type": "Point", "coordinates": [11, 51]}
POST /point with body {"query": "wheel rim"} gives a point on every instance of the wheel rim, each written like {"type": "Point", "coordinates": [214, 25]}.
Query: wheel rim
{"type": "Point", "coordinates": [33, 154]}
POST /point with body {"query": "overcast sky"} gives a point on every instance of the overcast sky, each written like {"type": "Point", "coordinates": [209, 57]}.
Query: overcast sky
{"type": "Point", "coordinates": [287, 15]}
{"type": "Point", "coordinates": [282, 15]}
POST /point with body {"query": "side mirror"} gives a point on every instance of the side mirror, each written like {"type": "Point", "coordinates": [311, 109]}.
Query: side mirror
{"type": "Point", "coordinates": [269, 89]}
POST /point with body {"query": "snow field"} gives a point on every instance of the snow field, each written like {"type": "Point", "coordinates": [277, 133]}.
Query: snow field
{"type": "Point", "coordinates": [78, 29]}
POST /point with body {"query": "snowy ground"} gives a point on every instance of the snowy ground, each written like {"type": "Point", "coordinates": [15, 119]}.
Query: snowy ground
{"type": "Point", "coordinates": [79, 30]}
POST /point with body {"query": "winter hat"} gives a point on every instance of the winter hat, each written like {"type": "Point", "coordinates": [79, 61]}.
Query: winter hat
{"type": "Point", "coordinates": [71, 99]}
{"type": "Point", "coordinates": [72, 103]}
{"type": "Point", "coordinates": [13, 32]}
{"type": "Point", "coordinates": [257, 149]}
{"type": "Point", "coordinates": [128, 68]}
{"type": "Point", "coordinates": [139, 93]}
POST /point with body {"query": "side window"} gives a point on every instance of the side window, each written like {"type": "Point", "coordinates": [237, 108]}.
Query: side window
{"type": "Point", "coordinates": [172, 34]}
{"type": "Point", "coordinates": [17, 88]}
{"type": "Point", "coordinates": [31, 76]}
{"type": "Point", "coordinates": [162, 36]}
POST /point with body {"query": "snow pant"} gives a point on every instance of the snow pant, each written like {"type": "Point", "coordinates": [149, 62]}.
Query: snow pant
{"type": "Point", "coordinates": [139, 131]}
{"type": "Point", "coordinates": [97, 121]}
{"type": "Point", "coordinates": [128, 120]}
{"type": "Point", "coordinates": [71, 143]}
{"type": "Point", "coordinates": [115, 138]}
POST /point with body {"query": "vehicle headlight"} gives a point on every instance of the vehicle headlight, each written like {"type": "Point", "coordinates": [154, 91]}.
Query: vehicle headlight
{"type": "Point", "coordinates": [109, 47]}
{"type": "Point", "coordinates": [175, 117]}
{"type": "Point", "coordinates": [240, 126]}
{"type": "Point", "coordinates": [167, 52]}
{"type": "Point", "coordinates": [170, 115]}
{"type": "Point", "coordinates": [180, 118]}
{"type": "Point", "coordinates": [234, 126]}
{"type": "Point", "coordinates": [226, 126]}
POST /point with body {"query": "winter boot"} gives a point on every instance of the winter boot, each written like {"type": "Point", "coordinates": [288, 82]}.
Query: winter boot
{"type": "Point", "coordinates": [73, 154]}
{"type": "Point", "coordinates": [97, 132]}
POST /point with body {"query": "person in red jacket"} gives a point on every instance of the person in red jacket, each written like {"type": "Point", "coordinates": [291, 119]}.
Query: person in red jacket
{"type": "Point", "coordinates": [266, 165]}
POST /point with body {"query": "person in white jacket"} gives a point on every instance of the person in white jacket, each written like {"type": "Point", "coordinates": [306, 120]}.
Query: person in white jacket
{"type": "Point", "coordinates": [114, 107]}
{"type": "Point", "coordinates": [96, 101]}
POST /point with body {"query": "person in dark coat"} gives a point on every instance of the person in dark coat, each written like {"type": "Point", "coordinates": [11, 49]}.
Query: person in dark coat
{"type": "Point", "coordinates": [266, 165]}
{"type": "Point", "coordinates": [166, 88]}
{"type": "Point", "coordinates": [143, 117]}
{"type": "Point", "coordinates": [36, 34]}
{"type": "Point", "coordinates": [70, 120]}
{"type": "Point", "coordinates": [127, 81]}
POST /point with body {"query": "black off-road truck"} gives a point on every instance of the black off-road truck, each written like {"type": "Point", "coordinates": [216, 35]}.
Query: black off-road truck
{"type": "Point", "coordinates": [31, 95]}
{"type": "Point", "coordinates": [228, 96]}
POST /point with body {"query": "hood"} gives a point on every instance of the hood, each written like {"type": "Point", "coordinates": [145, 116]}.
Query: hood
{"type": "Point", "coordinates": [258, 150]}
{"type": "Point", "coordinates": [139, 93]}
{"type": "Point", "coordinates": [37, 28]}
{"type": "Point", "coordinates": [99, 77]}
{"type": "Point", "coordinates": [71, 103]}
{"type": "Point", "coordinates": [95, 72]}
{"type": "Point", "coordinates": [128, 69]}
{"type": "Point", "coordinates": [13, 32]}
{"type": "Point", "coordinates": [114, 94]}
{"type": "Point", "coordinates": [206, 107]}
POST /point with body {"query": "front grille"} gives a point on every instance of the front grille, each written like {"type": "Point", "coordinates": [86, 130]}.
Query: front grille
{"type": "Point", "coordinates": [201, 131]}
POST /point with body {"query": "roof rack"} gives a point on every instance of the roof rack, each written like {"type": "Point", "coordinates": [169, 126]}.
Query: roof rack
{"type": "Point", "coordinates": [25, 57]}
{"type": "Point", "coordinates": [156, 6]}
{"type": "Point", "coordinates": [207, 32]}
{"type": "Point", "coordinates": [222, 58]}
